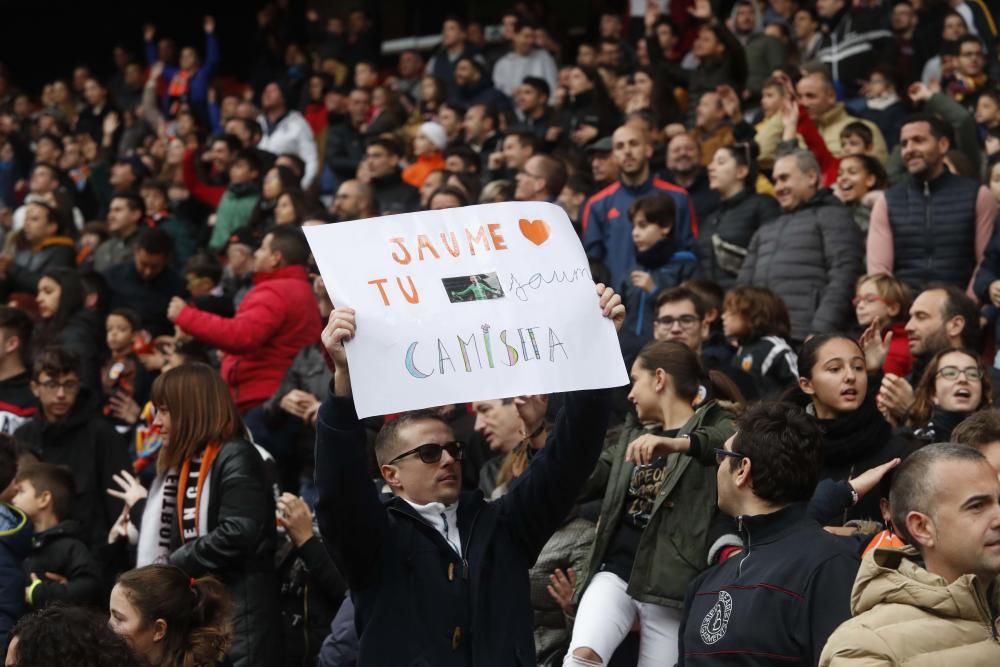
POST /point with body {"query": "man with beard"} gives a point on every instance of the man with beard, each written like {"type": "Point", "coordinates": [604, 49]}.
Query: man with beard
{"type": "Point", "coordinates": [942, 317]}
{"type": "Point", "coordinates": [685, 169]}
{"type": "Point", "coordinates": [354, 201]}
{"type": "Point", "coordinates": [607, 230]}
{"type": "Point", "coordinates": [935, 225]}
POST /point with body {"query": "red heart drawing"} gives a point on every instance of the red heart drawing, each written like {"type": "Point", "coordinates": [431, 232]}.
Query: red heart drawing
{"type": "Point", "coordinates": [536, 231]}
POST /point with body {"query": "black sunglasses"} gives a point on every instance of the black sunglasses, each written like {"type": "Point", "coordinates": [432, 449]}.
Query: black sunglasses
{"type": "Point", "coordinates": [431, 452]}
{"type": "Point", "coordinates": [721, 454]}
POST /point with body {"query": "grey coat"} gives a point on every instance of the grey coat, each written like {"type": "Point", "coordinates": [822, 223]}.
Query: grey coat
{"type": "Point", "coordinates": [811, 258]}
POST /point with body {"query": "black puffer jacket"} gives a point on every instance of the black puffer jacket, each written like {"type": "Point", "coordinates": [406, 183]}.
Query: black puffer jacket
{"type": "Point", "coordinates": [239, 550]}
{"type": "Point", "coordinates": [728, 231]}
{"type": "Point", "coordinates": [811, 258]}
{"type": "Point", "coordinates": [61, 550]}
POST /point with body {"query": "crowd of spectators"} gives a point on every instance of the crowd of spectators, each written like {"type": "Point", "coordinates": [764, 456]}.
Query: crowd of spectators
{"type": "Point", "coordinates": [789, 209]}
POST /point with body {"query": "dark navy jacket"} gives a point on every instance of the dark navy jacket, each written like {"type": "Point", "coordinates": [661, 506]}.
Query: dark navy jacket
{"type": "Point", "coordinates": [607, 231]}
{"type": "Point", "coordinates": [419, 603]}
{"type": "Point", "coordinates": [777, 602]}
{"type": "Point", "coordinates": [640, 305]}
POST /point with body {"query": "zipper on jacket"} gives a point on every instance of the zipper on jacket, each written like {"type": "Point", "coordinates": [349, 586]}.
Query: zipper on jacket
{"type": "Point", "coordinates": [928, 219]}
{"type": "Point", "coordinates": [741, 528]}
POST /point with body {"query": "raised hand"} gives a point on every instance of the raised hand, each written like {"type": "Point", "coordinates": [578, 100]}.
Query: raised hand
{"type": "Point", "coordinates": [339, 329]}
{"type": "Point", "coordinates": [611, 305]}
{"type": "Point", "coordinates": [149, 32]}
{"type": "Point", "coordinates": [131, 490]}
{"type": "Point", "coordinates": [209, 24]}
{"type": "Point", "coordinates": [701, 10]}
{"type": "Point", "coordinates": [874, 345]}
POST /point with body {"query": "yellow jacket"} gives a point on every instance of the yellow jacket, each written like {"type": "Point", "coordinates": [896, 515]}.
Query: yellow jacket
{"type": "Point", "coordinates": [906, 616]}
{"type": "Point", "coordinates": [836, 119]}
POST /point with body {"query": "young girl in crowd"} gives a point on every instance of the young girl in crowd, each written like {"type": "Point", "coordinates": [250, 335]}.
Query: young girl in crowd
{"type": "Point", "coordinates": [658, 526]}
{"type": "Point", "coordinates": [428, 153]}
{"type": "Point", "coordinates": [171, 619]}
{"type": "Point", "coordinates": [954, 386]}
{"type": "Point", "coordinates": [860, 180]}
{"type": "Point", "coordinates": [833, 384]}
{"type": "Point", "coordinates": [758, 322]}
{"type": "Point", "coordinates": [882, 299]}
{"type": "Point", "coordinates": [226, 526]}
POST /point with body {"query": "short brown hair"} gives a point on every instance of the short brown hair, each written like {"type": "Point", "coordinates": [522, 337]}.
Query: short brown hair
{"type": "Point", "coordinates": [57, 480]}
{"type": "Point", "coordinates": [764, 312]}
{"type": "Point", "coordinates": [681, 293]}
{"type": "Point", "coordinates": [658, 210]}
{"type": "Point", "coordinates": [387, 440]}
{"type": "Point", "coordinates": [201, 411]}
{"type": "Point", "coordinates": [978, 429]}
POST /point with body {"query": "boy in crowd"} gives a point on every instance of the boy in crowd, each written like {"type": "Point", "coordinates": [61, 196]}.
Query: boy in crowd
{"type": "Point", "coordinates": [203, 275]}
{"type": "Point", "coordinates": [59, 568]}
{"type": "Point", "coordinates": [123, 376]}
{"type": "Point", "coordinates": [15, 542]}
{"type": "Point", "coordinates": [856, 139]}
{"type": "Point", "coordinates": [660, 264]}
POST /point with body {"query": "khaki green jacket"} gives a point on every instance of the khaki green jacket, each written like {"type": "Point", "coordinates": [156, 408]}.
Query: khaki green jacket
{"type": "Point", "coordinates": [674, 545]}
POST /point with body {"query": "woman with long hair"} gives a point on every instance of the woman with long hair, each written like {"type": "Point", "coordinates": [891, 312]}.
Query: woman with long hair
{"type": "Point", "coordinates": [723, 238]}
{"type": "Point", "coordinates": [837, 393]}
{"type": "Point", "coordinates": [277, 181]}
{"type": "Point", "coordinates": [659, 523]}
{"type": "Point", "coordinates": [954, 385]}
{"type": "Point", "coordinates": [67, 323]}
{"type": "Point", "coordinates": [210, 510]}
{"type": "Point", "coordinates": [171, 619]}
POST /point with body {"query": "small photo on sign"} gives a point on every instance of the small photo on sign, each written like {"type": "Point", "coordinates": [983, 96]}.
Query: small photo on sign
{"type": "Point", "coordinates": [477, 287]}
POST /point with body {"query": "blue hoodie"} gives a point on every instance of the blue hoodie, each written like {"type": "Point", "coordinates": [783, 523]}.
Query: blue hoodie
{"type": "Point", "coordinates": [15, 544]}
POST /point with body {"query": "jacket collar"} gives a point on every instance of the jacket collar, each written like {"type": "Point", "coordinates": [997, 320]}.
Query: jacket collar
{"type": "Point", "coordinates": [640, 189]}
{"type": "Point", "coordinates": [766, 528]}
{"type": "Point", "coordinates": [294, 272]}
{"type": "Point", "coordinates": [55, 241]}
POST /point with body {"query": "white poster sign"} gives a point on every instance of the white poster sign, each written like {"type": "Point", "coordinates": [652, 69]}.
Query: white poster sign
{"type": "Point", "coordinates": [467, 304]}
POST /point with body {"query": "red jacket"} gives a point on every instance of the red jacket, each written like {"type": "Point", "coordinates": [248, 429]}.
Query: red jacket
{"type": "Point", "coordinates": [276, 319]}
{"type": "Point", "coordinates": [899, 360]}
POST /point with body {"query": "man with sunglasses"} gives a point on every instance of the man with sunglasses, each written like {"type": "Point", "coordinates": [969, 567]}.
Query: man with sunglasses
{"type": "Point", "coordinates": [779, 600]}
{"type": "Point", "coordinates": [439, 576]}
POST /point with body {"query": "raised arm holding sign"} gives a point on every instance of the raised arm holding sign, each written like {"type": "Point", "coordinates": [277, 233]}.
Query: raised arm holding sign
{"type": "Point", "coordinates": [467, 304]}
{"type": "Point", "coordinates": [440, 577]}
